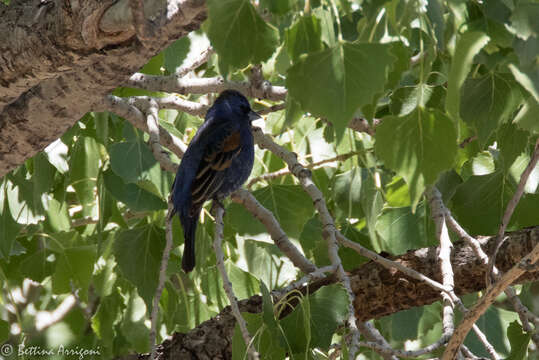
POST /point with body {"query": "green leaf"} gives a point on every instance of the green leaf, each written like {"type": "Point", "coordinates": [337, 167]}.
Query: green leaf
{"type": "Point", "coordinates": [74, 267]}
{"type": "Point", "coordinates": [512, 142]}
{"type": "Point", "coordinates": [132, 195]}
{"type": "Point", "coordinates": [19, 194]}
{"type": "Point", "coordinates": [4, 331]}
{"type": "Point", "coordinates": [528, 77]}
{"type": "Point", "coordinates": [279, 7]}
{"type": "Point", "coordinates": [132, 160]}
{"type": "Point", "coordinates": [519, 341]}
{"type": "Point", "coordinates": [57, 215]}
{"type": "Point", "coordinates": [401, 230]}
{"type": "Point", "coordinates": [468, 45]}
{"type": "Point", "coordinates": [435, 13]}
{"type": "Point", "coordinates": [176, 53]}
{"type": "Point", "coordinates": [526, 118]}
{"type": "Point", "coordinates": [9, 229]}
{"type": "Point", "coordinates": [36, 266]}
{"type": "Point", "coordinates": [264, 341]}
{"type": "Point", "coordinates": [486, 103]}
{"type": "Point", "coordinates": [311, 241]}
{"type": "Point", "coordinates": [517, 168]}
{"type": "Point", "coordinates": [290, 205]}
{"type": "Point", "coordinates": [340, 80]}
{"type": "Point", "coordinates": [154, 65]}
{"type": "Point", "coordinates": [323, 312]}
{"type": "Point", "coordinates": [481, 164]}
{"type": "Point", "coordinates": [133, 324]}
{"type": "Point", "coordinates": [83, 171]}
{"type": "Point", "coordinates": [405, 99]}
{"type": "Point", "coordinates": [524, 19]}
{"type": "Point", "coordinates": [43, 178]}
{"type": "Point", "coordinates": [372, 203]}
{"type": "Point", "coordinates": [303, 36]}
{"type": "Point", "coordinates": [525, 214]}
{"type": "Point", "coordinates": [267, 307]}
{"type": "Point", "coordinates": [351, 259]}
{"type": "Point", "coordinates": [105, 277]}
{"type": "Point", "coordinates": [404, 324]}
{"type": "Point", "coordinates": [266, 262]}
{"type": "Point", "coordinates": [347, 190]}
{"type": "Point", "coordinates": [108, 314]}
{"type": "Point", "coordinates": [238, 34]}
{"type": "Point", "coordinates": [138, 252]}
{"type": "Point", "coordinates": [480, 201]}
{"type": "Point", "coordinates": [418, 147]}
{"type": "Point", "coordinates": [244, 283]}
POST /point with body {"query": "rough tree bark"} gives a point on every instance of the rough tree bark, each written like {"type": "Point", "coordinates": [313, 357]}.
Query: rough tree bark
{"type": "Point", "coordinates": [378, 292]}
{"type": "Point", "coordinates": [63, 56]}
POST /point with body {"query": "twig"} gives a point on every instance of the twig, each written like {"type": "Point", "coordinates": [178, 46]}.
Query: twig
{"type": "Point", "coordinates": [492, 292]}
{"type": "Point", "coordinates": [152, 117]}
{"type": "Point", "coordinates": [373, 335]}
{"type": "Point", "coordinates": [162, 278]}
{"type": "Point", "coordinates": [272, 108]}
{"type": "Point", "coordinates": [315, 275]}
{"type": "Point", "coordinates": [524, 314]}
{"type": "Point", "coordinates": [177, 103]}
{"type": "Point", "coordinates": [467, 353]}
{"type": "Point", "coordinates": [219, 211]}
{"type": "Point", "coordinates": [511, 207]}
{"type": "Point", "coordinates": [466, 141]}
{"type": "Point", "coordinates": [440, 214]}
{"type": "Point", "coordinates": [444, 256]}
{"type": "Point", "coordinates": [45, 319]}
{"type": "Point", "coordinates": [175, 84]}
{"type": "Point", "coordinates": [242, 196]}
{"type": "Point", "coordinates": [329, 229]}
{"type": "Point", "coordinates": [406, 353]}
{"type": "Point", "coordinates": [132, 114]}
{"type": "Point", "coordinates": [362, 125]}
{"type": "Point", "coordinates": [199, 60]}
{"type": "Point", "coordinates": [314, 165]}
{"type": "Point", "coordinates": [389, 264]}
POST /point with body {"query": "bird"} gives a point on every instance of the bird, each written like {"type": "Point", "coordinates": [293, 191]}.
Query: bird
{"type": "Point", "coordinates": [218, 160]}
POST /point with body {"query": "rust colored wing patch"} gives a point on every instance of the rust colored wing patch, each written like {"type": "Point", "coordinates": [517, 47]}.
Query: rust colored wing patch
{"type": "Point", "coordinates": [232, 142]}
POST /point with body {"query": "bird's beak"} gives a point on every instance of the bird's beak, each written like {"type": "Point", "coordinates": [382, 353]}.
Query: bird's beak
{"type": "Point", "coordinates": [253, 116]}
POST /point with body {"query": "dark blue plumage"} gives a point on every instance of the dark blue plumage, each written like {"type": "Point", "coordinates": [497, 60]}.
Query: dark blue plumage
{"type": "Point", "coordinates": [218, 161]}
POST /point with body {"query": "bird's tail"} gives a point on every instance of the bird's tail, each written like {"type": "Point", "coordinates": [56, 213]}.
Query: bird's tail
{"type": "Point", "coordinates": [189, 224]}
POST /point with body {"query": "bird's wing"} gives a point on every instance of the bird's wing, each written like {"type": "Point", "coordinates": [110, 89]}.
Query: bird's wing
{"type": "Point", "coordinates": [218, 156]}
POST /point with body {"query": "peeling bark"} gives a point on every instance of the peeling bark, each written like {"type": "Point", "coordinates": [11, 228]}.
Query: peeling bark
{"type": "Point", "coordinates": [378, 292]}
{"type": "Point", "coordinates": [61, 59]}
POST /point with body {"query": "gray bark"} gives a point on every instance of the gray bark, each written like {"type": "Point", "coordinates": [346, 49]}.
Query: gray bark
{"type": "Point", "coordinates": [63, 56]}
{"type": "Point", "coordinates": [378, 292]}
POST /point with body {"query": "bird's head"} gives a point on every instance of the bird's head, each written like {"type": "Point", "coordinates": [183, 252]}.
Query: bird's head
{"type": "Point", "coordinates": [233, 103]}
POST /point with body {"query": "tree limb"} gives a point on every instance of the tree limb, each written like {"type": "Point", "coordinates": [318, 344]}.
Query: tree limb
{"type": "Point", "coordinates": [62, 54]}
{"type": "Point", "coordinates": [378, 291]}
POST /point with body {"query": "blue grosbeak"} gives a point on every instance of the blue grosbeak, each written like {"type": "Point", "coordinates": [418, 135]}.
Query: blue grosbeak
{"type": "Point", "coordinates": [218, 161]}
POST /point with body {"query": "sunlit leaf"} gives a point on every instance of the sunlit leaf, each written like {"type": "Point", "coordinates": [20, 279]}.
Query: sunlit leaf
{"type": "Point", "coordinates": [350, 78]}
{"type": "Point", "coordinates": [418, 147]}
{"type": "Point", "coordinates": [238, 34]}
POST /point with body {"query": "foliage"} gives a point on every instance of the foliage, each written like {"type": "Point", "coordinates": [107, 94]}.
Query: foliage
{"type": "Point", "coordinates": [87, 215]}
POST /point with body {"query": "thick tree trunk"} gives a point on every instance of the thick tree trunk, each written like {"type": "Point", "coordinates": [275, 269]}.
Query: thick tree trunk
{"type": "Point", "coordinates": [378, 292]}
{"type": "Point", "coordinates": [63, 56]}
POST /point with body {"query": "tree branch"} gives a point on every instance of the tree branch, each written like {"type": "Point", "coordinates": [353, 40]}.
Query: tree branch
{"type": "Point", "coordinates": [66, 55]}
{"type": "Point", "coordinates": [392, 293]}
{"type": "Point", "coordinates": [474, 313]}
